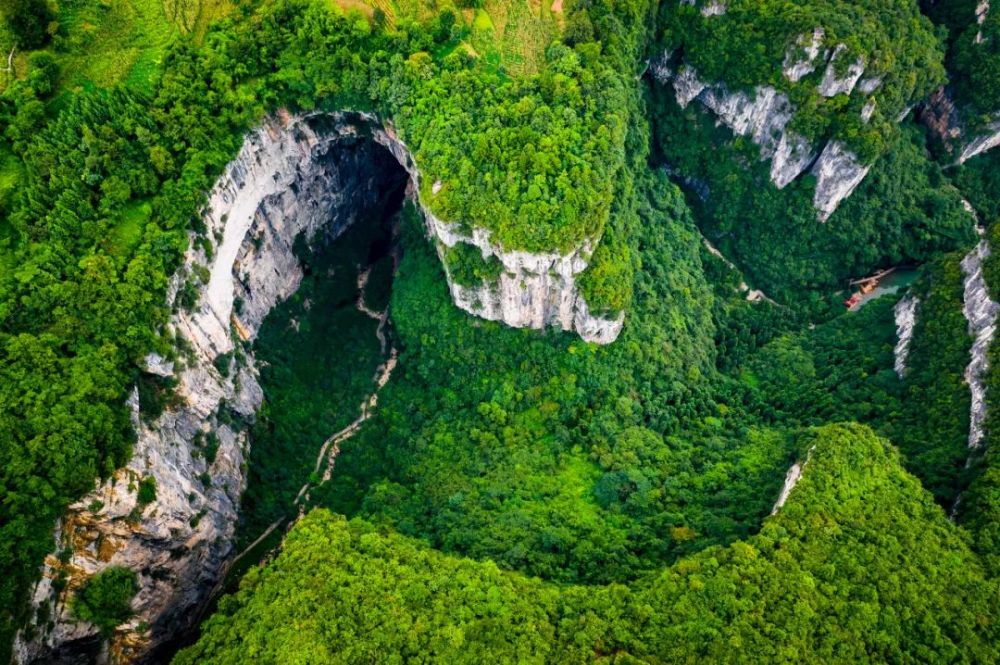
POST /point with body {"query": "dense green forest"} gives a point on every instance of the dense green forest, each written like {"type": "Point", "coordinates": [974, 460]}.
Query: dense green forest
{"type": "Point", "coordinates": [972, 55]}
{"type": "Point", "coordinates": [520, 495]}
{"type": "Point", "coordinates": [860, 564]}
{"type": "Point", "coordinates": [746, 47]}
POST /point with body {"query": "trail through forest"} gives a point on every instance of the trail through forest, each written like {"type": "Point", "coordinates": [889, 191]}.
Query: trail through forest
{"type": "Point", "coordinates": [331, 446]}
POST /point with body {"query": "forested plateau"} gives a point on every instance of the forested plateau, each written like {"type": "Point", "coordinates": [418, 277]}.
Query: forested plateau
{"type": "Point", "coordinates": [514, 331]}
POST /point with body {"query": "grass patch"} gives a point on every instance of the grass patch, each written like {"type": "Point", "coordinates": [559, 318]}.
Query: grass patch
{"type": "Point", "coordinates": [523, 30]}
{"type": "Point", "coordinates": [102, 43]}
{"type": "Point", "coordinates": [127, 232]}
{"type": "Point", "coordinates": [511, 35]}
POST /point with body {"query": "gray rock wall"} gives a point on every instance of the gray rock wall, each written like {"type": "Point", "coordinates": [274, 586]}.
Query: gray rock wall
{"type": "Point", "coordinates": [764, 113]}
{"type": "Point", "coordinates": [981, 313]}
{"type": "Point", "coordinates": [295, 177]}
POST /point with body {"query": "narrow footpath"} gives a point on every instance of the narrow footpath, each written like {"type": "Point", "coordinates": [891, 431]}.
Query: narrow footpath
{"type": "Point", "coordinates": [331, 447]}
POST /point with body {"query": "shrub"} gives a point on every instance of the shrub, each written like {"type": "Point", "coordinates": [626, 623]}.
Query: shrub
{"type": "Point", "coordinates": [147, 491]}
{"type": "Point", "coordinates": [106, 599]}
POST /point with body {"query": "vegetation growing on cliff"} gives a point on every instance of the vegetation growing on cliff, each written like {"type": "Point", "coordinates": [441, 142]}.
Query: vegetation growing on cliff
{"type": "Point", "coordinates": [105, 599]}
{"type": "Point", "coordinates": [973, 57]}
{"type": "Point", "coordinates": [904, 211]}
{"type": "Point", "coordinates": [645, 469]}
{"type": "Point", "coordinates": [746, 47]}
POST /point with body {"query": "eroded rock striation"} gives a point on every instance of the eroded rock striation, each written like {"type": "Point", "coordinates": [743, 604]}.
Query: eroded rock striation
{"type": "Point", "coordinates": [981, 312]}
{"type": "Point", "coordinates": [296, 178]}
{"type": "Point", "coordinates": [906, 320]}
{"type": "Point", "coordinates": [764, 113]}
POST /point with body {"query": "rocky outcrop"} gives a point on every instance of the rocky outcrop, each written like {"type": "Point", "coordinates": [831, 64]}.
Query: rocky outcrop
{"type": "Point", "coordinates": [906, 320]}
{"type": "Point", "coordinates": [800, 60]}
{"type": "Point", "coordinates": [531, 291]}
{"type": "Point", "coordinates": [942, 118]}
{"type": "Point", "coordinates": [296, 178]}
{"type": "Point", "coordinates": [982, 11]}
{"type": "Point", "coordinates": [709, 7]}
{"type": "Point", "coordinates": [763, 114]}
{"type": "Point", "coordinates": [292, 179]}
{"type": "Point", "coordinates": [981, 312]}
{"type": "Point", "coordinates": [838, 172]}
{"type": "Point", "coordinates": [834, 84]}
{"type": "Point", "coordinates": [792, 477]}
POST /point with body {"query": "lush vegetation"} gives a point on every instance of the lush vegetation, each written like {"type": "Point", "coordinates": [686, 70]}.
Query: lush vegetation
{"type": "Point", "coordinates": [904, 211]}
{"type": "Point", "coordinates": [746, 47]}
{"type": "Point", "coordinates": [973, 57]}
{"type": "Point", "coordinates": [518, 495]}
{"type": "Point", "coordinates": [549, 455]}
{"type": "Point", "coordinates": [318, 355]}
{"type": "Point", "coordinates": [105, 599]}
{"type": "Point", "coordinates": [859, 565]}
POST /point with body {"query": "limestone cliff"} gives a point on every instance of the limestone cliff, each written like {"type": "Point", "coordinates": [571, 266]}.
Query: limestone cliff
{"type": "Point", "coordinates": [981, 313]}
{"type": "Point", "coordinates": [941, 116]}
{"type": "Point", "coordinates": [905, 312]}
{"type": "Point", "coordinates": [764, 113]}
{"type": "Point", "coordinates": [295, 178]}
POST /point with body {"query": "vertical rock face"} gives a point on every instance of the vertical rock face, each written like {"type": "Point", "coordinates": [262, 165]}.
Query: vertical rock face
{"type": "Point", "coordinates": [981, 313]}
{"type": "Point", "coordinates": [982, 10]}
{"type": "Point", "coordinates": [295, 179]}
{"type": "Point", "coordinates": [906, 319]}
{"type": "Point", "coordinates": [288, 182]}
{"type": "Point", "coordinates": [764, 113]}
{"type": "Point", "coordinates": [988, 139]}
{"type": "Point", "coordinates": [709, 7]}
{"type": "Point", "coordinates": [942, 118]}
{"type": "Point", "coordinates": [800, 61]}
{"type": "Point", "coordinates": [838, 172]}
{"type": "Point", "coordinates": [531, 291]}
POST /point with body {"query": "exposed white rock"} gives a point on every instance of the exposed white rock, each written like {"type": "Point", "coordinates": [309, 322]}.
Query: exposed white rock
{"type": "Point", "coordinates": [838, 172]}
{"type": "Point", "coordinates": [834, 84]}
{"type": "Point", "coordinates": [987, 139]}
{"type": "Point", "coordinates": [982, 10]}
{"type": "Point", "coordinates": [906, 319]}
{"type": "Point", "coordinates": [868, 111]}
{"type": "Point", "coordinates": [800, 59]}
{"type": "Point", "coordinates": [792, 477]}
{"type": "Point", "coordinates": [710, 8]}
{"type": "Point", "coordinates": [867, 86]}
{"type": "Point", "coordinates": [714, 8]}
{"type": "Point", "coordinates": [792, 157]}
{"type": "Point", "coordinates": [687, 86]}
{"type": "Point", "coordinates": [981, 313]}
{"type": "Point", "coordinates": [763, 115]}
{"type": "Point", "coordinates": [532, 290]}
{"type": "Point", "coordinates": [295, 177]}
{"type": "Point", "coordinates": [158, 365]}
{"type": "Point", "coordinates": [659, 68]}
{"type": "Point", "coordinates": [178, 543]}
{"type": "Point", "coordinates": [941, 116]}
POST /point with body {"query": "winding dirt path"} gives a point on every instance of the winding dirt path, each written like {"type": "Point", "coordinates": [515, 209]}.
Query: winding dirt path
{"type": "Point", "coordinates": [331, 447]}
